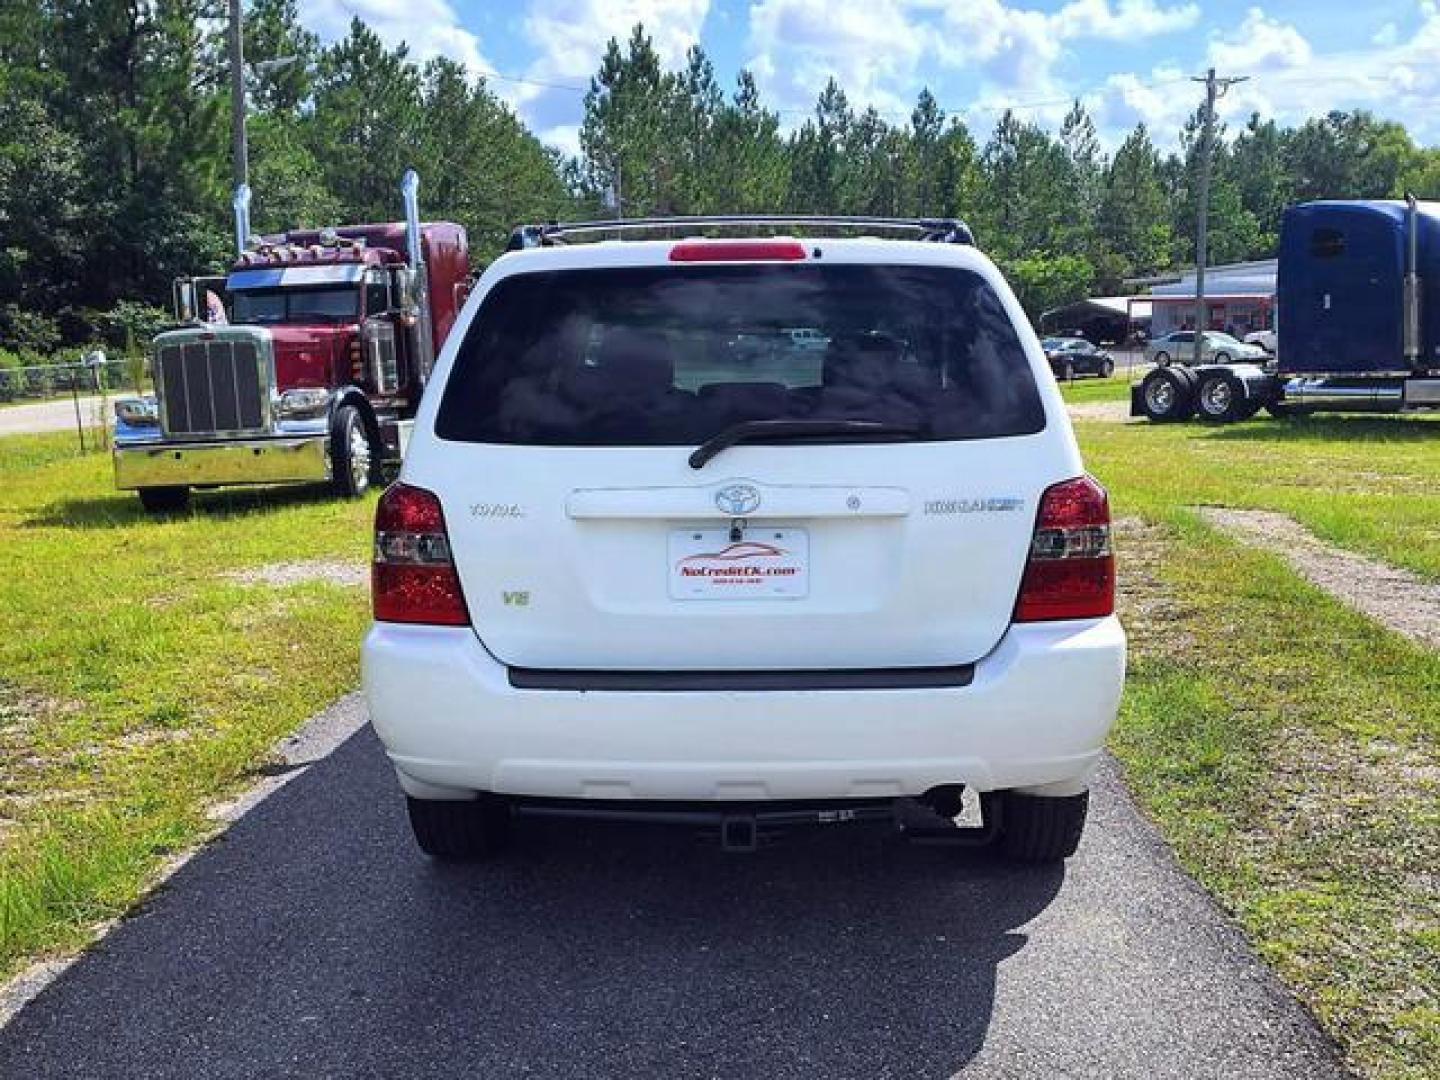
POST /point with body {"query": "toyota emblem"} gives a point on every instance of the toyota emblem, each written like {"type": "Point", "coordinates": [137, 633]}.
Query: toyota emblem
{"type": "Point", "coordinates": [737, 500]}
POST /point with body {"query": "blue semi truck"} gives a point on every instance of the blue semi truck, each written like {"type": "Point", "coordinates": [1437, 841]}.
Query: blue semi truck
{"type": "Point", "coordinates": [1358, 319]}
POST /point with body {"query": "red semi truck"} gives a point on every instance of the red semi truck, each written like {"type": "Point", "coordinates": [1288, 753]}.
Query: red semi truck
{"type": "Point", "coordinates": [304, 364]}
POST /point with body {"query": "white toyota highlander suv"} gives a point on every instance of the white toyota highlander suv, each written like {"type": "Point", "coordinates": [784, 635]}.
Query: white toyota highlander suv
{"type": "Point", "coordinates": [654, 555]}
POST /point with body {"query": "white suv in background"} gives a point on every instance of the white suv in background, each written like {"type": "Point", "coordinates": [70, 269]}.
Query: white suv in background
{"type": "Point", "coordinates": [625, 574]}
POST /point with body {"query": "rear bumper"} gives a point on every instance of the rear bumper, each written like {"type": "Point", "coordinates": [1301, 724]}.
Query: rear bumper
{"type": "Point", "coordinates": [288, 459]}
{"type": "Point", "coordinates": [1035, 716]}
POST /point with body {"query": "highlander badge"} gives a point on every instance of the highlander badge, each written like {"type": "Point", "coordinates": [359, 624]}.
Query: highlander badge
{"type": "Point", "coordinates": [737, 500]}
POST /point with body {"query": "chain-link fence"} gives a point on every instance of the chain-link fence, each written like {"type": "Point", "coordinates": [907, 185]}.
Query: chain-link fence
{"type": "Point", "coordinates": [41, 381]}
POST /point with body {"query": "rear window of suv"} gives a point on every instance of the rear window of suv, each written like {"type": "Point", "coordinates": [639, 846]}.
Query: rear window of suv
{"type": "Point", "coordinates": [666, 356]}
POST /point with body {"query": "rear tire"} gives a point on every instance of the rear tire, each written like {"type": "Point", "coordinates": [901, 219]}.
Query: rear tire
{"type": "Point", "coordinates": [1107, 368]}
{"type": "Point", "coordinates": [1220, 398]}
{"type": "Point", "coordinates": [1167, 395]}
{"type": "Point", "coordinates": [1041, 829]}
{"type": "Point", "coordinates": [460, 831]}
{"type": "Point", "coordinates": [164, 500]}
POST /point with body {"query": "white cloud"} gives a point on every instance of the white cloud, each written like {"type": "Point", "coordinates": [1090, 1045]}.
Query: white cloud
{"type": "Point", "coordinates": [1260, 43]}
{"type": "Point", "coordinates": [571, 34]}
{"type": "Point", "coordinates": [429, 27]}
{"type": "Point", "coordinates": [1387, 35]}
{"type": "Point", "coordinates": [877, 49]}
{"type": "Point", "coordinates": [1126, 20]}
{"type": "Point", "coordinates": [564, 137]}
{"type": "Point", "coordinates": [868, 46]}
{"type": "Point", "coordinates": [1014, 48]}
{"type": "Point", "coordinates": [1289, 81]}
{"type": "Point", "coordinates": [569, 37]}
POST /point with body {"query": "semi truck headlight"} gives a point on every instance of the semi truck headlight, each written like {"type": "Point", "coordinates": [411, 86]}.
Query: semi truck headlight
{"type": "Point", "coordinates": [310, 401]}
{"type": "Point", "coordinates": [137, 411]}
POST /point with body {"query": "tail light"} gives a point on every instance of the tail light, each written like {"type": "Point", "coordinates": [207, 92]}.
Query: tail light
{"type": "Point", "coordinates": [1071, 570]}
{"type": "Point", "coordinates": [413, 578]}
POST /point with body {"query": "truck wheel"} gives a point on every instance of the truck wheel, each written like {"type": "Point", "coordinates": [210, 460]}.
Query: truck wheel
{"type": "Point", "coordinates": [463, 831]}
{"type": "Point", "coordinates": [352, 456]}
{"type": "Point", "coordinates": [163, 500]}
{"type": "Point", "coordinates": [1107, 368]}
{"type": "Point", "coordinates": [1167, 395]}
{"type": "Point", "coordinates": [1220, 398]}
{"type": "Point", "coordinates": [1039, 828]}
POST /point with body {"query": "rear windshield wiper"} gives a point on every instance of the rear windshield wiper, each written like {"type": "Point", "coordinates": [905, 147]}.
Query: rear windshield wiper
{"type": "Point", "coordinates": [772, 430]}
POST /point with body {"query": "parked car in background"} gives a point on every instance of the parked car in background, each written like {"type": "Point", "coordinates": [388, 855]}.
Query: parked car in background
{"type": "Point", "coordinates": [1264, 338]}
{"type": "Point", "coordinates": [1072, 356]}
{"type": "Point", "coordinates": [1215, 347]}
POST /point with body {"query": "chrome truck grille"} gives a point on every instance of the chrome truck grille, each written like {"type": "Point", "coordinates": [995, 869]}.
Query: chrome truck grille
{"type": "Point", "coordinates": [212, 386]}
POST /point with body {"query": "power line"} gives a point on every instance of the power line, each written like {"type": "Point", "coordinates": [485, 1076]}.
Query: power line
{"type": "Point", "coordinates": [532, 82]}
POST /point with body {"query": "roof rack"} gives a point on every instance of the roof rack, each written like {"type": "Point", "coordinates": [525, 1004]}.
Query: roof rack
{"type": "Point", "coordinates": [935, 230]}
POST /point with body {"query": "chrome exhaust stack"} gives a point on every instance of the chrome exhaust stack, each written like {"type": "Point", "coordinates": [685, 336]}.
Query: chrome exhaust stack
{"type": "Point", "coordinates": [410, 192]}
{"type": "Point", "coordinates": [1412, 283]}
{"type": "Point", "coordinates": [241, 204]}
{"type": "Point", "coordinates": [419, 285]}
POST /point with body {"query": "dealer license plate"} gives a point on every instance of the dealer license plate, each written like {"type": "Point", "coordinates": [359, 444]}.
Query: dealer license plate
{"type": "Point", "coordinates": [765, 564]}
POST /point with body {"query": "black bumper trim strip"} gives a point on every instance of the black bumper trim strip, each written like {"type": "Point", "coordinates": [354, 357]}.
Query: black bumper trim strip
{"type": "Point", "coordinates": [912, 678]}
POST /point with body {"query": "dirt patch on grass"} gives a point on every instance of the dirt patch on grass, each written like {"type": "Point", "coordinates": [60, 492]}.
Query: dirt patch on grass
{"type": "Point", "coordinates": [1398, 599]}
{"type": "Point", "coordinates": [1110, 412]}
{"type": "Point", "coordinates": [1153, 615]}
{"type": "Point", "coordinates": [279, 575]}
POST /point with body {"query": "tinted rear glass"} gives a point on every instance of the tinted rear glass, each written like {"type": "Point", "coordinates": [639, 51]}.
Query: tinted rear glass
{"type": "Point", "coordinates": [665, 356]}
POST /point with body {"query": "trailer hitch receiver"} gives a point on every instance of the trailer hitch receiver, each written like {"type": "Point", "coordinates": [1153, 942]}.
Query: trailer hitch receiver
{"type": "Point", "coordinates": [738, 834]}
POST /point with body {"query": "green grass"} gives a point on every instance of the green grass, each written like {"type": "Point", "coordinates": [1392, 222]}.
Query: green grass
{"type": "Point", "coordinates": [137, 682]}
{"type": "Point", "coordinates": [1288, 747]}
{"type": "Point", "coordinates": [1115, 388]}
{"type": "Point", "coordinates": [1367, 483]}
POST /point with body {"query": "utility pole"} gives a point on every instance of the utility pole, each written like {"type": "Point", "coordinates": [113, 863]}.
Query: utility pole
{"type": "Point", "coordinates": [239, 154]}
{"type": "Point", "coordinates": [1214, 90]}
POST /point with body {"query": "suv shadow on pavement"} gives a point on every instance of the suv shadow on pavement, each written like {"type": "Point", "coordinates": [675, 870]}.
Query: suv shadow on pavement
{"type": "Point", "coordinates": [314, 940]}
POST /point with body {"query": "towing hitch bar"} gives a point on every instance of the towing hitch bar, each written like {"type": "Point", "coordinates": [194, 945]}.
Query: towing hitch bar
{"type": "Point", "coordinates": [741, 827]}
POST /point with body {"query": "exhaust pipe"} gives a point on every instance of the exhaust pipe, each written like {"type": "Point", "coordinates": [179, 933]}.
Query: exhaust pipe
{"type": "Point", "coordinates": [1412, 284]}
{"type": "Point", "coordinates": [410, 192]}
{"type": "Point", "coordinates": [241, 203]}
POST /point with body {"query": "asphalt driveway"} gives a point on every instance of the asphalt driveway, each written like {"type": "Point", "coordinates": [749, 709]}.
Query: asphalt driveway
{"type": "Point", "coordinates": [314, 941]}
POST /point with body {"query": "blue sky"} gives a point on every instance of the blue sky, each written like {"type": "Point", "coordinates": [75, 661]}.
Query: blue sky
{"type": "Point", "coordinates": [1129, 60]}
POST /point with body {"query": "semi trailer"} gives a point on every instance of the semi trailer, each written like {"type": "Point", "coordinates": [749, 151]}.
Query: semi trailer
{"type": "Point", "coordinates": [1358, 317]}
